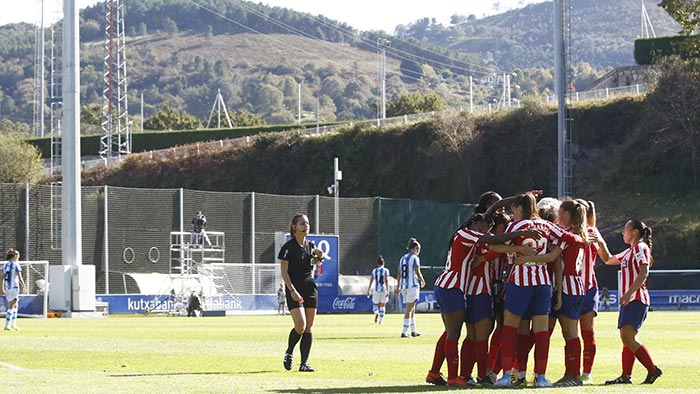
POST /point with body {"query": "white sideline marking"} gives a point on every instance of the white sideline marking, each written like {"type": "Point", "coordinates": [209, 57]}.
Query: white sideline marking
{"type": "Point", "coordinates": [11, 367]}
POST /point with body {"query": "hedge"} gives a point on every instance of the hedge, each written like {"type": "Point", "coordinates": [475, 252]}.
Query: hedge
{"type": "Point", "coordinates": [154, 140]}
{"type": "Point", "coordinates": [648, 50]}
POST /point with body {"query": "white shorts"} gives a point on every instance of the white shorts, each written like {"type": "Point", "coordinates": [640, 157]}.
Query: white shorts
{"type": "Point", "coordinates": [379, 297]}
{"type": "Point", "coordinates": [410, 295]}
{"type": "Point", "coordinates": [11, 294]}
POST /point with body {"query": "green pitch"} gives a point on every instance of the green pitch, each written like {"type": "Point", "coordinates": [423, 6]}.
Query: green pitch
{"type": "Point", "coordinates": [243, 354]}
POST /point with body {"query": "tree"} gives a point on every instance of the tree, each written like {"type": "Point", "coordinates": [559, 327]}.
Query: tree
{"type": "Point", "coordinates": [411, 69]}
{"type": "Point", "coordinates": [19, 161]}
{"type": "Point", "coordinates": [415, 103]}
{"type": "Point", "coordinates": [674, 106]}
{"type": "Point", "coordinates": [169, 118]}
{"type": "Point", "coordinates": [244, 118]}
{"type": "Point", "coordinates": [685, 12]}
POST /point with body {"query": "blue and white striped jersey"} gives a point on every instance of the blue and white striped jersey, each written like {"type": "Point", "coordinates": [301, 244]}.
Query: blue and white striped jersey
{"type": "Point", "coordinates": [9, 273]}
{"type": "Point", "coordinates": [407, 269]}
{"type": "Point", "coordinates": [379, 274]}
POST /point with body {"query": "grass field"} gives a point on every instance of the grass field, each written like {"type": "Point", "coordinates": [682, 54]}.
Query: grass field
{"type": "Point", "coordinates": [243, 354]}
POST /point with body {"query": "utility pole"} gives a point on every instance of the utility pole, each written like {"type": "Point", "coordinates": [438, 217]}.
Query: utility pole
{"type": "Point", "coordinates": [299, 103]}
{"type": "Point", "coordinates": [382, 44]}
{"type": "Point", "coordinates": [337, 177]}
{"type": "Point", "coordinates": [41, 74]}
{"type": "Point", "coordinates": [142, 112]}
{"type": "Point", "coordinates": [471, 96]}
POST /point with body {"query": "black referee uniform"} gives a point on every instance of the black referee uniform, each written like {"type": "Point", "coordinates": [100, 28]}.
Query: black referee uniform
{"type": "Point", "coordinates": [300, 273]}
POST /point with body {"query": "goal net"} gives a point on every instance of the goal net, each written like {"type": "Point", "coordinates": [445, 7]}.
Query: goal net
{"type": "Point", "coordinates": [33, 301]}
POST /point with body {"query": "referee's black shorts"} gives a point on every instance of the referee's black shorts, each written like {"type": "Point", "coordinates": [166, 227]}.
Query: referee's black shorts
{"type": "Point", "coordinates": [307, 290]}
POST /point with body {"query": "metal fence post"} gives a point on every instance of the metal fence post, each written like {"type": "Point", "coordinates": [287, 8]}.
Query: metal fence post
{"type": "Point", "coordinates": [106, 237]}
{"type": "Point", "coordinates": [26, 221]}
{"type": "Point", "coordinates": [317, 213]}
{"type": "Point", "coordinates": [252, 237]}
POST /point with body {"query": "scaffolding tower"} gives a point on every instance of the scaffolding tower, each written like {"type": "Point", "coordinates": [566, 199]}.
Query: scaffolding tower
{"type": "Point", "coordinates": [39, 74]}
{"type": "Point", "coordinates": [55, 118]}
{"type": "Point", "coordinates": [563, 85]}
{"type": "Point", "coordinates": [116, 133]}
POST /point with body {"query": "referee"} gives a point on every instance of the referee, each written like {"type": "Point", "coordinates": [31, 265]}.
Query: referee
{"type": "Point", "coordinates": [297, 258]}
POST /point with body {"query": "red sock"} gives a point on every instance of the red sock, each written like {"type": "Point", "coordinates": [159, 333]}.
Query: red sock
{"type": "Point", "coordinates": [525, 343]}
{"type": "Point", "coordinates": [466, 358]}
{"type": "Point", "coordinates": [541, 352]}
{"type": "Point", "coordinates": [482, 350]}
{"type": "Point", "coordinates": [627, 361]}
{"type": "Point", "coordinates": [645, 358]}
{"type": "Point", "coordinates": [573, 357]}
{"type": "Point", "coordinates": [494, 359]}
{"type": "Point", "coordinates": [439, 355]}
{"type": "Point", "coordinates": [452, 358]}
{"type": "Point", "coordinates": [588, 350]}
{"type": "Point", "coordinates": [508, 338]}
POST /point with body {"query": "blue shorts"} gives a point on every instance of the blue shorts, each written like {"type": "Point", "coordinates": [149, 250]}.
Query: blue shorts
{"type": "Point", "coordinates": [450, 300]}
{"type": "Point", "coordinates": [570, 307]}
{"type": "Point", "coordinates": [528, 300]}
{"type": "Point", "coordinates": [633, 314]}
{"type": "Point", "coordinates": [479, 307]}
{"type": "Point", "coordinates": [590, 302]}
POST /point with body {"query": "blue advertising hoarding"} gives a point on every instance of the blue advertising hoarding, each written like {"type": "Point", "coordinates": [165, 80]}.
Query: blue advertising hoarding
{"type": "Point", "coordinates": [140, 303]}
{"type": "Point", "coordinates": [327, 281]}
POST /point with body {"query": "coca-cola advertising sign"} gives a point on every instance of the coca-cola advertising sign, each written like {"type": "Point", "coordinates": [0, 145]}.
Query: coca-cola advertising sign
{"type": "Point", "coordinates": [344, 303]}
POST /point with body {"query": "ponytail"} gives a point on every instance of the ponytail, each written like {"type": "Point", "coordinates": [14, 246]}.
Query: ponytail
{"type": "Point", "coordinates": [578, 218]}
{"type": "Point", "coordinates": [11, 254]}
{"type": "Point", "coordinates": [645, 232]}
{"type": "Point", "coordinates": [647, 235]}
{"type": "Point", "coordinates": [412, 243]}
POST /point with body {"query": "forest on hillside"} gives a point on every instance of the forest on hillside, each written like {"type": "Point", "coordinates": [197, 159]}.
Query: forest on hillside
{"type": "Point", "coordinates": [181, 53]}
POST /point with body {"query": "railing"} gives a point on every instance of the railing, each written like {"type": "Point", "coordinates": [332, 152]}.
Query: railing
{"type": "Point", "coordinates": [575, 97]}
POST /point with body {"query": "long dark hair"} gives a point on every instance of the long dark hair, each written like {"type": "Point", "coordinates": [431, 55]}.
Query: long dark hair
{"type": "Point", "coordinates": [380, 261]}
{"type": "Point", "coordinates": [412, 243]}
{"type": "Point", "coordinates": [474, 218]}
{"type": "Point", "coordinates": [528, 203]}
{"type": "Point", "coordinates": [486, 200]}
{"type": "Point", "coordinates": [295, 219]}
{"type": "Point", "coordinates": [11, 254]}
{"type": "Point", "coordinates": [644, 231]}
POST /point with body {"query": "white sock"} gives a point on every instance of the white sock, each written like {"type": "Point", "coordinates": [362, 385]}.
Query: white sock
{"type": "Point", "coordinates": [406, 322]}
{"type": "Point", "coordinates": [14, 319]}
{"type": "Point", "coordinates": [413, 324]}
{"type": "Point", "coordinates": [375, 309]}
{"type": "Point", "coordinates": [382, 312]}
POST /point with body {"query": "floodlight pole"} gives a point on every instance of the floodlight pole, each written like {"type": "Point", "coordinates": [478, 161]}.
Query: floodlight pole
{"type": "Point", "coordinates": [559, 87]}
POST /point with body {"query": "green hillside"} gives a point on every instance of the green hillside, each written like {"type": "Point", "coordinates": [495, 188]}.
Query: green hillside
{"type": "Point", "coordinates": [603, 33]}
{"type": "Point", "coordinates": [456, 158]}
{"type": "Point", "coordinates": [181, 53]}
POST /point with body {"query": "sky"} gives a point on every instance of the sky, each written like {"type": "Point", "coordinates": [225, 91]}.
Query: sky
{"type": "Point", "coordinates": [360, 14]}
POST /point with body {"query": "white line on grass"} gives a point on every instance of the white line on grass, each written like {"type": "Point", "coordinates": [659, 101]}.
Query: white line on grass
{"type": "Point", "coordinates": [11, 367]}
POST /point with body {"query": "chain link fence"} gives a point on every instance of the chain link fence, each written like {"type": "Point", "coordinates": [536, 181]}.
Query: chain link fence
{"type": "Point", "coordinates": [127, 231]}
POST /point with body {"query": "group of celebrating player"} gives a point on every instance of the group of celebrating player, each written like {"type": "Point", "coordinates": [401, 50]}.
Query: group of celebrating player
{"type": "Point", "coordinates": [521, 274]}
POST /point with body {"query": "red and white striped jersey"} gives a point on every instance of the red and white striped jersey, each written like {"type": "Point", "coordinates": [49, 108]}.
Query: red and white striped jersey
{"type": "Point", "coordinates": [573, 258]}
{"type": "Point", "coordinates": [479, 279]}
{"type": "Point", "coordinates": [462, 251]}
{"type": "Point", "coordinates": [630, 262]}
{"type": "Point", "coordinates": [497, 268]}
{"type": "Point", "coordinates": [590, 254]}
{"type": "Point", "coordinates": [531, 274]}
